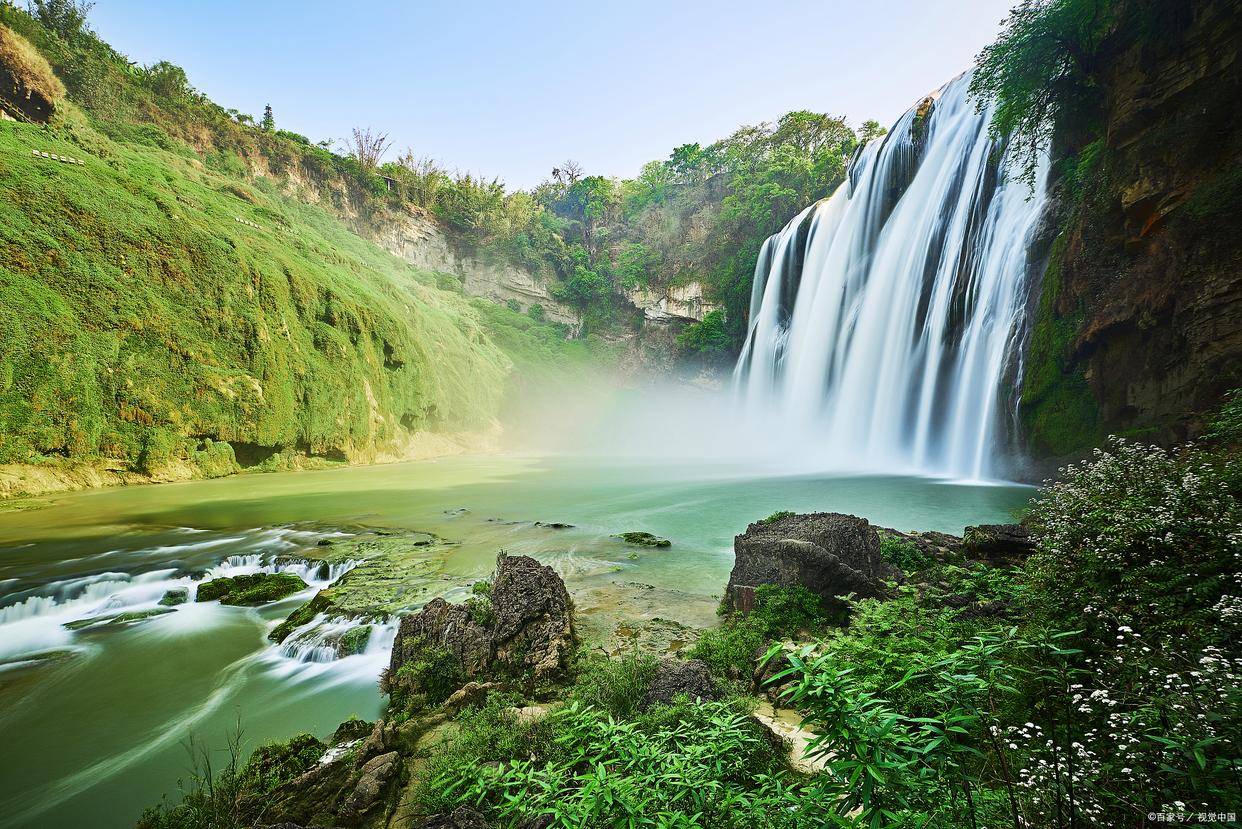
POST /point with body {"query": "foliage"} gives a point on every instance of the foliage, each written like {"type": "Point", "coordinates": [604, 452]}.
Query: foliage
{"type": "Point", "coordinates": [732, 650]}
{"type": "Point", "coordinates": [708, 337]}
{"type": "Point", "coordinates": [903, 553]}
{"type": "Point", "coordinates": [210, 796]}
{"type": "Point", "coordinates": [692, 764]}
{"type": "Point", "coordinates": [1115, 694]}
{"type": "Point", "coordinates": [1225, 426]}
{"type": "Point", "coordinates": [615, 686]}
{"type": "Point", "coordinates": [429, 674]}
{"type": "Point", "coordinates": [1042, 68]}
{"type": "Point", "coordinates": [776, 516]}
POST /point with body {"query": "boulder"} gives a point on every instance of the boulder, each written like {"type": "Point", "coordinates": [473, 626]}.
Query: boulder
{"type": "Point", "coordinates": [831, 555]}
{"type": "Point", "coordinates": [532, 625]}
{"type": "Point", "coordinates": [679, 676]}
{"type": "Point", "coordinates": [642, 539]}
{"type": "Point", "coordinates": [998, 543]}
{"type": "Point", "coordinates": [527, 632]}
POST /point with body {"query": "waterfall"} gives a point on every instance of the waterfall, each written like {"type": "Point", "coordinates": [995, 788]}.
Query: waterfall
{"type": "Point", "coordinates": [885, 319]}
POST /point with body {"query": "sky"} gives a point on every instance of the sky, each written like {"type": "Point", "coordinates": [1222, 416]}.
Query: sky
{"type": "Point", "coordinates": [513, 89]}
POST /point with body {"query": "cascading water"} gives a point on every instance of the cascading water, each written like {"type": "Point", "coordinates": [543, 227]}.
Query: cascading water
{"type": "Point", "coordinates": [883, 320]}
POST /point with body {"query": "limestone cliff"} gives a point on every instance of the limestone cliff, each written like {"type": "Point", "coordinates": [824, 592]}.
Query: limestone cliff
{"type": "Point", "coordinates": [1137, 326]}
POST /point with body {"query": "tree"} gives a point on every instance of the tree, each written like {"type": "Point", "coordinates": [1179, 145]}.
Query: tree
{"type": "Point", "coordinates": [269, 121]}
{"type": "Point", "coordinates": [1042, 67]}
{"type": "Point", "coordinates": [367, 147]}
{"type": "Point", "coordinates": [65, 17]}
{"type": "Point", "coordinates": [870, 129]}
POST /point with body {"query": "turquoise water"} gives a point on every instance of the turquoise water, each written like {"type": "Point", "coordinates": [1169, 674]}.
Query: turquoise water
{"type": "Point", "coordinates": [100, 731]}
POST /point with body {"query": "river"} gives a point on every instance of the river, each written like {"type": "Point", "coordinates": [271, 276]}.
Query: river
{"type": "Point", "coordinates": [97, 727]}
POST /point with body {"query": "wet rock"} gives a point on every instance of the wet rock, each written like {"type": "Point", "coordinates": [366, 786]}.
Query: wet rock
{"type": "Point", "coordinates": [321, 603]}
{"type": "Point", "coordinates": [353, 641]}
{"type": "Point", "coordinates": [352, 729]}
{"type": "Point", "coordinates": [998, 543]}
{"type": "Point", "coordinates": [644, 539]}
{"type": "Point", "coordinates": [117, 619]}
{"type": "Point", "coordinates": [258, 588]}
{"type": "Point", "coordinates": [831, 555]}
{"type": "Point", "coordinates": [176, 596]}
{"type": "Point", "coordinates": [674, 677]}
{"type": "Point", "coordinates": [554, 525]}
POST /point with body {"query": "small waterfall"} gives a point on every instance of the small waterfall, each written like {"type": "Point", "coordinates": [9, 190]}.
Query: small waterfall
{"type": "Point", "coordinates": [883, 319]}
{"type": "Point", "coordinates": [43, 619]}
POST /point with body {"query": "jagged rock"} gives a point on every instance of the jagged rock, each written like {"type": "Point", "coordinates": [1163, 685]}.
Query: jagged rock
{"type": "Point", "coordinates": [469, 693]}
{"type": "Point", "coordinates": [529, 631]}
{"type": "Point", "coordinates": [176, 596]}
{"type": "Point", "coordinates": [831, 555]}
{"type": "Point", "coordinates": [372, 779]}
{"type": "Point", "coordinates": [998, 543]}
{"type": "Point", "coordinates": [644, 539]}
{"type": "Point", "coordinates": [679, 676]}
{"type": "Point", "coordinates": [532, 627]}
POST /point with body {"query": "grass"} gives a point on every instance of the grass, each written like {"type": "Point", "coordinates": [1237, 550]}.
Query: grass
{"type": "Point", "coordinates": [146, 324]}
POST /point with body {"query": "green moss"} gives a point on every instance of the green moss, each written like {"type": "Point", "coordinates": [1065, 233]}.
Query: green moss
{"type": "Point", "coordinates": [354, 640]}
{"type": "Point", "coordinates": [430, 673]}
{"type": "Point", "coordinates": [175, 597]}
{"type": "Point", "coordinates": [258, 588]}
{"type": "Point", "coordinates": [322, 603]}
{"type": "Point", "coordinates": [1217, 198]}
{"type": "Point", "coordinates": [643, 539]}
{"type": "Point", "coordinates": [1058, 409]}
{"type": "Point", "coordinates": [275, 764]}
{"type": "Point", "coordinates": [776, 516]}
{"type": "Point", "coordinates": [116, 620]}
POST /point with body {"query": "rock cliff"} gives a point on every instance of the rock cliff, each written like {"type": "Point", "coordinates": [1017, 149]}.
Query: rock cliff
{"type": "Point", "coordinates": [1137, 325]}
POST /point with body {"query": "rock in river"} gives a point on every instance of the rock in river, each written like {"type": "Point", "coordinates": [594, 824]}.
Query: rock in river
{"type": "Point", "coordinates": [830, 554]}
{"type": "Point", "coordinates": [258, 588]}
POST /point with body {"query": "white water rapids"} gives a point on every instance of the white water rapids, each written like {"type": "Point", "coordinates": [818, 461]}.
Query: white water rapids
{"type": "Point", "coordinates": [884, 321]}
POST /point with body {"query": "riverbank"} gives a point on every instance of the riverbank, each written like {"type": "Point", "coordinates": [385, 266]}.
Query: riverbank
{"type": "Point", "coordinates": [18, 481]}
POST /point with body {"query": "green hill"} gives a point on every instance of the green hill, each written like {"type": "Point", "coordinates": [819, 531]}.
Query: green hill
{"type": "Point", "coordinates": [166, 318]}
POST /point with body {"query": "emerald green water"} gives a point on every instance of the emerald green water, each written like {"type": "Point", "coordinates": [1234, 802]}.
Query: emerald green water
{"type": "Point", "coordinates": [98, 733]}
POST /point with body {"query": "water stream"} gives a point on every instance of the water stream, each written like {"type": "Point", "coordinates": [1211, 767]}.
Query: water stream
{"type": "Point", "coordinates": [98, 730]}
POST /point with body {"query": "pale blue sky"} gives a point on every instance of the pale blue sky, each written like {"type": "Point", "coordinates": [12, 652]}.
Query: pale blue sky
{"type": "Point", "coordinates": [512, 89]}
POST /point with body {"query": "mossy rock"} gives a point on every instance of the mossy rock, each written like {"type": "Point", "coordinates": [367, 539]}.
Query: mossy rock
{"type": "Point", "coordinates": [117, 620]}
{"type": "Point", "coordinates": [254, 589]}
{"type": "Point", "coordinates": [174, 597]}
{"type": "Point", "coordinates": [322, 603]}
{"type": "Point", "coordinates": [354, 641]}
{"type": "Point", "coordinates": [644, 539]}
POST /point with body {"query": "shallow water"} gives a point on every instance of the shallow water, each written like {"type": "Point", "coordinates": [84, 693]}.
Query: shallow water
{"type": "Point", "coordinates": [99, 732]}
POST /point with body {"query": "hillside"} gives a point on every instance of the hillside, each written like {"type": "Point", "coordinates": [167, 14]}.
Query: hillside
{"type": "Point", "coordinates": [167, 319]}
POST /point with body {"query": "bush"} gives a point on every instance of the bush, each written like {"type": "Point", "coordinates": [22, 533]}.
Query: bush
{"type": "Point", "coordinates": [616, 686]}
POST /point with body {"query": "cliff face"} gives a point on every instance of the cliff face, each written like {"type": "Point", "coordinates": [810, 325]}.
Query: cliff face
{"type": "Point", "coordinates": [1138, 324]}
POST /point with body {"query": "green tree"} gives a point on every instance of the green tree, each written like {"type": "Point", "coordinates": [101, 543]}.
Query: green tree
{"type": "Point", "coordinates": [269, 121]}
{"type": "Point", "coordinates": [1042, 69]}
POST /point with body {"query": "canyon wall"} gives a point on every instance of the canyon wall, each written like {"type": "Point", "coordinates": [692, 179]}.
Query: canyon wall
{"type": "Point", "coordinates": [1137, 326]}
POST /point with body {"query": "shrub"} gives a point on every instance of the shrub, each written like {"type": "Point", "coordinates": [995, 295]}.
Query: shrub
{"type": "Point", "coordinates": [616, 686]}
{"type": "Point", "coordinates": [903, 553]}
{"type": "Point", "coordinates": [776, 516]}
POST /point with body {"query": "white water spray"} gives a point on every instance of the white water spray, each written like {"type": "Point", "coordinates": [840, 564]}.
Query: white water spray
{"type": "Point", "coordinates": [884, 320]}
